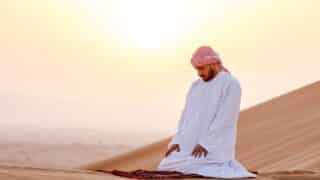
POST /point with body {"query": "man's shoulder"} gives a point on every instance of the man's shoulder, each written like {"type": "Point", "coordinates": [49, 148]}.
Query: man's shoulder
{"type": "Point", "coordinates": [195, 82]}
{"type": "Point", "coordinates": [232, 80]}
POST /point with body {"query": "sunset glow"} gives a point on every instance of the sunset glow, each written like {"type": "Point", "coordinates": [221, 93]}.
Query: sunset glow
{"type": "Point", "coordinates": [126, 63]}
{"type": "Point", "coordinates": [154, 24]}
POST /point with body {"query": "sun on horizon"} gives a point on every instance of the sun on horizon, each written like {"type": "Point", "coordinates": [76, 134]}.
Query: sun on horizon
{"type": "Point", "coordinates": [154, 24]}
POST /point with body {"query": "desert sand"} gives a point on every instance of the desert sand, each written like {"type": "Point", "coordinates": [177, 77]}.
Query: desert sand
{"type": "Point", "coordinates": [30, 173]}
{"type": "Point", "coordinates": [277, 138]}
{"type": "Point", "coordinates": [62, 156]}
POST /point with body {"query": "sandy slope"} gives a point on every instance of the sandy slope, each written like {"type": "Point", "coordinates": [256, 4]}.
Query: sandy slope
{"type": "Point", "coordinates": [65, 156]}
{"type": "Point", "coordinates": [23, 173]}
{"type": "Point", "coordinates": [277, 135]}
{"type": "Point", "coordinates": [277, 138]}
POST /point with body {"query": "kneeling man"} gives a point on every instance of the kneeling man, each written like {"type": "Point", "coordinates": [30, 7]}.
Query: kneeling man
{"type": "Point", "coordinates": [205, 139]}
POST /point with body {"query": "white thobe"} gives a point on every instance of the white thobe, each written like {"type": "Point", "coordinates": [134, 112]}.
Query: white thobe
{"type": "Point", "coordinates": [209, 118]}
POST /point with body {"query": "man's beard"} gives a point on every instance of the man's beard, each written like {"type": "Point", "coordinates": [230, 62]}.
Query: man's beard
{"type": "Point", "coordinates": [211, 75]}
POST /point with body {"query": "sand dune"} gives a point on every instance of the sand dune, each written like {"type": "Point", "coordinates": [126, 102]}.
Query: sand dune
{"type": "Point", "coordinates": [275, 138]}
{"type": "Point", "coordinates": [63, 156]}
{"type": "Point", "coordinates": [23, 173]}
{"type": "Point", "coordinates": [278, 138]}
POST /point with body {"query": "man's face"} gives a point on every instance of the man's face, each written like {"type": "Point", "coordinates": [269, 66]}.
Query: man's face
{"type": "Point", "coordinates": [206, 72]}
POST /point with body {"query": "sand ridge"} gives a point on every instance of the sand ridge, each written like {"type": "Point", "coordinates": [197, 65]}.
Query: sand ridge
{"type": "Point", "coordinates": [280, 135]}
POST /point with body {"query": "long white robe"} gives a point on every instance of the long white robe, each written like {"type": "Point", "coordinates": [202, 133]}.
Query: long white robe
{"type": "Point", "coordinates": [209, 118]}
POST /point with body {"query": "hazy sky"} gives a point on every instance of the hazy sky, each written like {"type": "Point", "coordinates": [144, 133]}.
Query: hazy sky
{"type": "Point", "coordinates": [125, 65]}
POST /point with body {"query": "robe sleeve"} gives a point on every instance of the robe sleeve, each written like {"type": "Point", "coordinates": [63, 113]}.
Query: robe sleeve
{"type": "Point", "coordinates": [226, 116]}
{"type": "Point", "coordinates": [175, 138]}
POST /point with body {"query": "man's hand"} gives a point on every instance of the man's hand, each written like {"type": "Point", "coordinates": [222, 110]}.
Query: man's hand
{"type": "Point", "coordinates": [198, 150]}
{"type": "Point", "coordinates": [174, 147]}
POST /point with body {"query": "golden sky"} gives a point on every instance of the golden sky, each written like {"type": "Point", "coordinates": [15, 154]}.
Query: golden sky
{"type": "Point", "coordinates": [126, 64]}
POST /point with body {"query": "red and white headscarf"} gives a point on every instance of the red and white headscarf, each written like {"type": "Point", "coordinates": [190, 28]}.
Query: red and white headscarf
{"type": "Point", "coordinates": [206, 55]}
